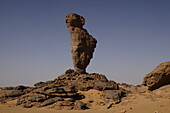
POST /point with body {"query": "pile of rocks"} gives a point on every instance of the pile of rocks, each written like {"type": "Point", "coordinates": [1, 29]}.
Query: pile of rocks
{"type": "Point", "coordinates": [63, 92]}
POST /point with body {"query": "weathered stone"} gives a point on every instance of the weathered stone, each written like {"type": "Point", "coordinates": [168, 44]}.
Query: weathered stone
{"type": "Point", "coordinates": [21, 87]}
{"type": "Point", "coordinates": [51, 101]}
{"type": "Point", "coordinates": [8, 88]}
{"type": "Point", "coordinates": [14, 93]}
{"type": "Point", "coordinates": [64, 105]}
{"type": "Point", "coordinates": [64, 95]}
{"type": "Point", "coordinates": [54, 90]}
{"type": "Point", "coordinates": [109, 85]}
{"type": "Point", "coordinates": [79, 105]}
{"type": "Point", "coordinates": [163, 92]}
{"type": "Point", "coordinates": [27, 105]}
{"type": "Point", "coordinates": [86, 82]}
{"type": "Point", "coordinates": [31, 98]}
{"type": "Point", "coordinates": [69, 71]}
{"type": "Point", "coordinates": [9, 92]}
{"type": "Point", "coordinates": [74, 20]}
{"type": "Point", "coordinates": [70, 99]}
{"type": "Point", "coordinates": [39, 84]}
{"type": "Point", "coordinates": [83, 44]}
{"type": "Point", "coordinates": [70, 89]}
{"type": "Point", "coordinates": [93, 76]}
{"type": "Point", "coordinates": [112, 95]}
{"type": "Point", "coordinates": [67, 91]}
{"type": "Point", "coordinates": [158, 77]}
{"type": "Point", "coordinates": [62, 90]}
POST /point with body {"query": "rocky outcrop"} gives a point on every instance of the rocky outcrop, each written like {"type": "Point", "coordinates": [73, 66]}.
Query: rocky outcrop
{"type": "Point", "coordinates": [83, 44]}
{"type": "Point", "coordinates": [158, 77]}
{"type": "Point", "coordinates": [85, 82]}
{"type": "Point", "coordinates": [13, 92]}
{"type": "Point", "coordinates": [163, 92]}
{"type": "Point", "coordinates": [67, 91]}
{"type": "Point", "coordinates": [63, 92]}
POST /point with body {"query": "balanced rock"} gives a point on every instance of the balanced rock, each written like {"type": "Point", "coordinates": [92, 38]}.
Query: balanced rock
{"type": "Point", "coordinates": [67, 92]}
{"type": "Point", "coordinates": [83, 44]}
{"type": "Point", "coordinates": [158, 77]}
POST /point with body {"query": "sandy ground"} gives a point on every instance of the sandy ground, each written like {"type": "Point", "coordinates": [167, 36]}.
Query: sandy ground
{"type": "Point", "coordinates": [138, 102]}
{"type": "Point", "coordinates": [138, 106]}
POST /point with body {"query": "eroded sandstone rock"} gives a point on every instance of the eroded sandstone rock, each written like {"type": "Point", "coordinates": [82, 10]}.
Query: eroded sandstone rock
{"type": "Point", "coordinates": [13, 92]}
{"type": "Point", "coordinates": [158, 77]}
{"type": "Point", "coordinates": [65, 92]}
{"type": "Point", "coordinates": [83, 44]}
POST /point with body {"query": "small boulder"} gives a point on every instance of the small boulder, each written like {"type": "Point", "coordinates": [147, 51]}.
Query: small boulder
{"type": "Point", "coordinates": [112, 95]}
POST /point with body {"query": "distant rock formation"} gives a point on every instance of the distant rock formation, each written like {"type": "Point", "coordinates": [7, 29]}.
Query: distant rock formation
{"type": "Point", "coordinates": [63, 92]}
{"type": "Point", "coordinates": [158, 77]}
{"type": "Point", "coordinates": [83, 44]}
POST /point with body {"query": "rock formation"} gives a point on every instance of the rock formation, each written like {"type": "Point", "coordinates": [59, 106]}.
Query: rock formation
{"type": "Point", "coordinates": [68, 91]}
{"type": "Point", "coordinates": [83, 44]}
{"type": "Point", "coordinates": [63, 92]}
{"type": "Point", "coordinates": [158, 77]}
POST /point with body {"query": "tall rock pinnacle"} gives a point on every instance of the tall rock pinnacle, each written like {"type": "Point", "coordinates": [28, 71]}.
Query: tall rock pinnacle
{"type": "Point", "coordinates": [83, 44]}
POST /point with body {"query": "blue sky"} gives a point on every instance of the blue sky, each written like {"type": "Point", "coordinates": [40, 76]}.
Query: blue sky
{"type": "Point", "coordinates": [133, 38]}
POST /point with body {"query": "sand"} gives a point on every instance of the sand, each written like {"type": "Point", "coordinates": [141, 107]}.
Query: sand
{"type": "Point", "coordinates": [138, 106]}
{"type": "Point", "coordinates": [138, 102]}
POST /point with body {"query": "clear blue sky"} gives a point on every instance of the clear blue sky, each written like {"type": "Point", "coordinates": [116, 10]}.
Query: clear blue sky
{"type": "Point", "coordinates": [133, 38]}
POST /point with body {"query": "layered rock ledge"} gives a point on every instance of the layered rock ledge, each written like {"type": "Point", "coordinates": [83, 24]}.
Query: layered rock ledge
{"type": "Point", "coordinates": [64, 92]}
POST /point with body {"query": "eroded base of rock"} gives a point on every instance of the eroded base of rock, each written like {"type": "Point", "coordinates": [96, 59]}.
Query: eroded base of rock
{"type": "Point", "coordinates": [66, 92]}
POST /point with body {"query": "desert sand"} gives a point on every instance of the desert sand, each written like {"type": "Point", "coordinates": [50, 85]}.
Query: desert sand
{"type": "Point", "coordinates": [140, 100]}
